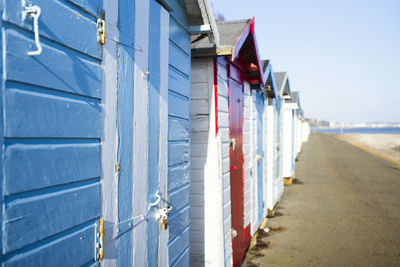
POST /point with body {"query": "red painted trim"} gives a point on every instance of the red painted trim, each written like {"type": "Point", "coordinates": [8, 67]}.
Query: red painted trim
{"type": "Point", "coordinates": [216, 94]}
{"type": "Point", "coordinates": [249, 30]}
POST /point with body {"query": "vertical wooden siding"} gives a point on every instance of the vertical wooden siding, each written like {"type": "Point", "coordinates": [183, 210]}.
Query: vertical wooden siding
{"type": "Point", "coordinates": [51, 135]}
{"type": "Point", "coordinates": [200, 128]}
{"type": "Point", "coordinates": [178, 136]}
{"type": "Point", "coordinates": [223, 126]}
{"type": "Point", "coordinates": [247, 154]}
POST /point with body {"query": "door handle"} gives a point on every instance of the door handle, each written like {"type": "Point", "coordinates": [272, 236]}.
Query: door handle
{"type": "Point", "coordinates": [232, 143]}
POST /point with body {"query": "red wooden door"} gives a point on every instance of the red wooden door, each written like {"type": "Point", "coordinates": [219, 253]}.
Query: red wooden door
{"type": "Point", "coordinates": [240, 235]}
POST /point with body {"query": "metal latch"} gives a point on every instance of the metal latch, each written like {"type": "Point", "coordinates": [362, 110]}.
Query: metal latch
{"type": "Point", "coordinates": [232, 143]}
{"type": "Point", "coordinates": [101, 29]}
{"type": "Point", "coordinates": [99, 240]}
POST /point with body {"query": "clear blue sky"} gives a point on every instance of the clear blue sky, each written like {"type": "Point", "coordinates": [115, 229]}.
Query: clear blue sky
{"type": "Point", "coordinates": [343, 55]}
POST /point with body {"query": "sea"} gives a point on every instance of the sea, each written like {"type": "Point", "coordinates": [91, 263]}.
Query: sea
{"type": "Point", "coordinates": [358, 130]}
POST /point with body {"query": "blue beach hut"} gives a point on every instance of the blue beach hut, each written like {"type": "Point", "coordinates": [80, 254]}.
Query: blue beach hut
{"type": "Point", "coordinates": [95, 131]}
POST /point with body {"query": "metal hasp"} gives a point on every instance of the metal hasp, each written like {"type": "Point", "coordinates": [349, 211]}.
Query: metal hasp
{"type": "Point", "coordinates": [34, 12]}
{"type": "Point", "coordinates": [101, 28]}
{"type": "Point", "coordinates": [99, 240]}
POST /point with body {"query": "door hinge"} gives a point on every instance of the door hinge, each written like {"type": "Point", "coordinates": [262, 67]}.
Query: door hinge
{"type": "Point", "coordinates": [101, 28]}
{"type": "Point", "coordinates": [99, 240]}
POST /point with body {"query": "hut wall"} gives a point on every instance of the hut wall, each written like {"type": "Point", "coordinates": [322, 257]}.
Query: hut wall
{"type": "Point", "coordinates": [210, 233]}
{"type": "Point", "coordinates": [270, 145]}
{"type": "Point", "coordinates": [254, 170]}
{"type": "Point", "coordinates": [287, 143]}
{"type": "Point", "coordinates": [247, 154]}
{"type": "Point", "coordinates": [223, 135]}
{"type": "Point", "coordinates": [178, 135]}
{"type": "Point", "coordinates": [51, 135]}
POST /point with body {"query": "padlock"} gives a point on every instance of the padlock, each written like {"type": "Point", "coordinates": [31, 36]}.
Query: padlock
{"type": "Point", "coordinates": [164, 223]}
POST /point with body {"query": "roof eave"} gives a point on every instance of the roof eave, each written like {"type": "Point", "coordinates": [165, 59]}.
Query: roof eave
{"type": "Point", "coordinates": [248, 30]}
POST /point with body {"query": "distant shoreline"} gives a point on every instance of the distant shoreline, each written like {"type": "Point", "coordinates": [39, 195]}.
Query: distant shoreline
{"type": "Point", "coordinates": [386, 146]}
{"type": "Point", "coordinates": [357, 130]}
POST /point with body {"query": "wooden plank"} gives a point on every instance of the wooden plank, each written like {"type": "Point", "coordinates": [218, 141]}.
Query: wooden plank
{"type": "Point", "coordinates": [199, 124]}
{"type": "Point", "coordinates": [199, 91]}
{"type": "Point", "coordinates": [223, 103]}
{"type": "Point", "coordinates": [55, 68]}
{"type": "Point", "coordinates": [178, 106]}
{"type": "Point", "coordinates": [179, 199]}
{"type": "Point", "coordinates": [180, 61]}
{"type": "Point", "coordinates": [199, 107]}
{"type": "Point", "coordinates": [178, 82]}
{"type": "Point", "coordinates": [197, 163]}
{"type": "Point", "coordinates": [178, 129]}
{"type": "Point", "coordinates": [199, 150]}
{"type": "Point", "coordinates": [178, 153]}
{"type": "Point", "coordinates": [184, 259]}
{"type": "Point", "coordinates": [222, 87]}
{"type": "Point", "coordinates": [33, 166]}
{"type": "Point", "coordinates": [31, 219]}
{"type": "Point", "coordinates": [223, 119]}
{"type": "Point", "coordinates": [199, 138]}
{"type": "Point", "coordinates": [81, 33]}
{"type": "Point", "coordinates": [178, 223]}
{"type": "Point", "coordinates": [126, 27]}
{"type": "Point", "coordinates": [177, 176]}
{"type": "Point", "coordinates": [140, 33]}
{"type": "Point", "coordinates": [178, 247]}
{"type": "Point", "coordinates": [54, 253]}
{"type": "Point", "coordinates": [153, 130]}
{"type": "Point", "coordinates": [196, 201]}
{"type": "Point", "coordinates": [178, 13]}
{"type": "Point", "coordinates": [109, 145]}
{"type": "Point", "coordinates": [38, 114]}
{"type": "Point", "coordinates": [178, 35]}
{"type": "Point", "coordinates": [163, 148]}
{"type": "Point", "coordinates": [88, 5]}
{"type": "Point", "coordinates": [2, 88]}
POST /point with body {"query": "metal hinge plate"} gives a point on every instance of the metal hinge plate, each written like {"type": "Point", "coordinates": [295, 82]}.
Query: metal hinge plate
{"type": "Point", "coordinates": [99, 240]}
{"type": "Point", "coordinates": [101, 29]}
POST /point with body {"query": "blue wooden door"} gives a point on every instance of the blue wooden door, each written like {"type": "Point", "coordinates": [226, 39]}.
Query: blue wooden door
{"type": "Point", "coordinates": [50, 133]}
{"type": "Point", "coordinates": [260, 154]}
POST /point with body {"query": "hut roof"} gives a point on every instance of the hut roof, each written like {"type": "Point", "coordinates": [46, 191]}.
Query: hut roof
{"type": "Point", "coordinates": [270, 85]}
{"type": "Point", "coordinates": [283, 85]}
{"type": "Point", "coordinates": [233, 36]}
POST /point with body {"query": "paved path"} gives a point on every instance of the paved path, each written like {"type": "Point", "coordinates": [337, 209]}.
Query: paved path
{"type": "Point", "coordinates": [347, 212]}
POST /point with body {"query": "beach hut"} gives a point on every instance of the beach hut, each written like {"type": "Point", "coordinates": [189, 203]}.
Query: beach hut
{"type": "Point", "coordinates": [223, 71]}
{"type": "Point", "coordinates": [95, 131]}
{"type": "Point", "coordinates": [283, 126]}
{"type": "Point", "coordinates": [290, 133]}
{"type": "Point", "coordinates": [269, 133]}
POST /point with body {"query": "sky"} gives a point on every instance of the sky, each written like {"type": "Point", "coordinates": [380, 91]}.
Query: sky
{"type": "Point", "coordinates": [343, 56]}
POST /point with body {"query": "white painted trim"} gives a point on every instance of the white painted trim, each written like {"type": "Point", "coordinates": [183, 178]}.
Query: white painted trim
{"type": "Point", "coordinates": [140, 130]}
{"type": "Point", "coordinates": [163, 144]}
{"type": "Point", "coordinates": [109, 181]}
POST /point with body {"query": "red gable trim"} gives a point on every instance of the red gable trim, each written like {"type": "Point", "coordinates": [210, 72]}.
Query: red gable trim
{"type": "Point", "coordinates": [248, 30]}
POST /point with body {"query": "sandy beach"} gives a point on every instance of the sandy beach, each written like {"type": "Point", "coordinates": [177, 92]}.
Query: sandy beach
{"type": "Point", "coordinates": [386, 146]}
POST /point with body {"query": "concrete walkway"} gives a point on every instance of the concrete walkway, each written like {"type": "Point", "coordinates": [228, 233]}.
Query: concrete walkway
{"type": "Point", "coordinates": [346, 212]}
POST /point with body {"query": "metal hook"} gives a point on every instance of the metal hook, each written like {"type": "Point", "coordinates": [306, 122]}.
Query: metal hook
{"type": "Point", "coordinates": [155, 203]}
{"type": "Point", "coordinates": [34, 12]}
